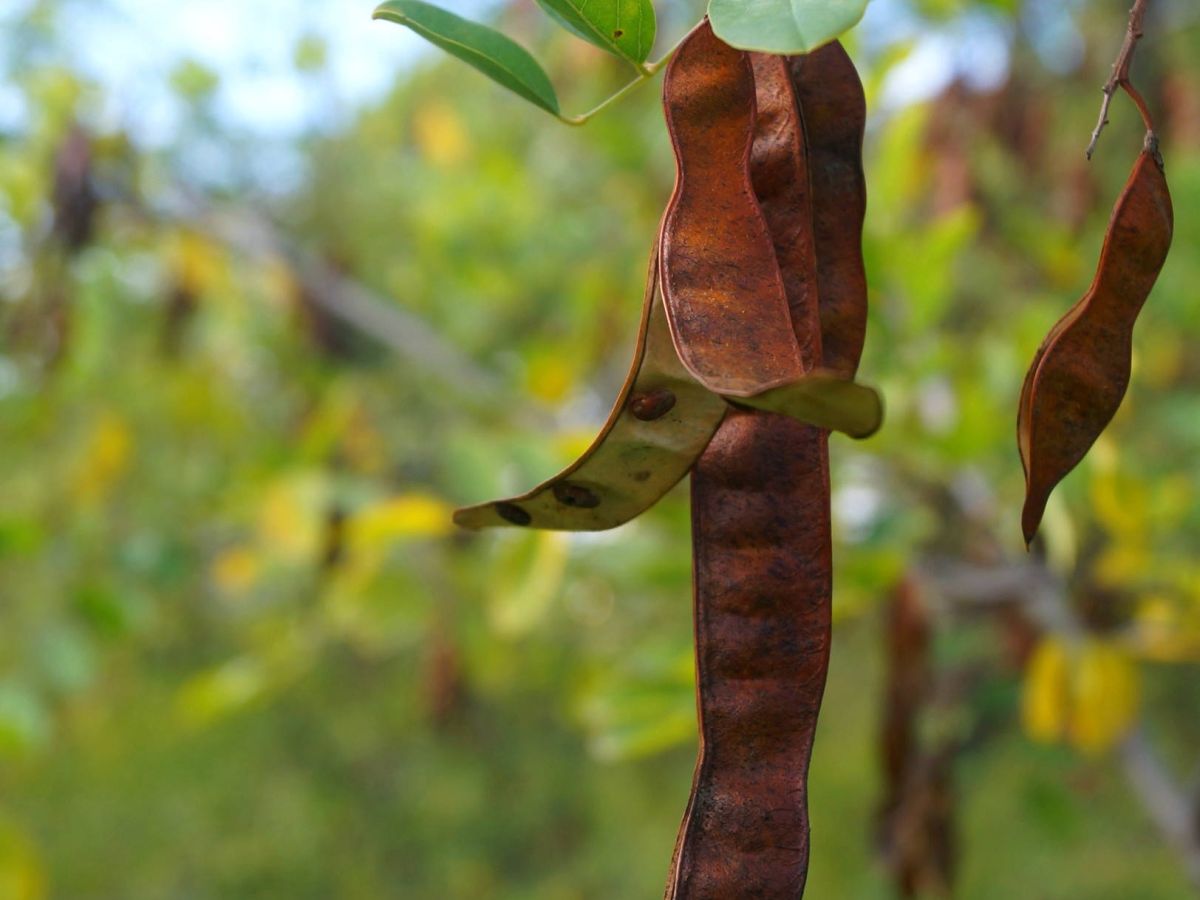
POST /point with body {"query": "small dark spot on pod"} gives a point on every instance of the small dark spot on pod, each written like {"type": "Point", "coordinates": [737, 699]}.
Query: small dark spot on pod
{"type": "Point", "coordinates": [641, 476]}
{"type": "Point", "coordinates": [510, 512]}
{"type": "Point", "coordinates": [653, 405]}
{"type": "Point", "coordinates": [573, 495]}
{"type": "Point", "coordinates": [618, 33]}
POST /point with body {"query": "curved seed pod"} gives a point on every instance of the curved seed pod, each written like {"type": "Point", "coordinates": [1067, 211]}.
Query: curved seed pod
{"type": "Point", "coordinates": [779, 173]}
{"type": "Point", "coordinates": [763, 574]}
{"type": "Point", "coordinates": [721, 283]}
{"type": "Point", "coordinates": [760, 521]}
{"type": "Point", "coordinates": [1080, 373]}
{"type": "Point", "coordinates": [659, 426]}
{"type": "Point", "coordinates": [834, 107]}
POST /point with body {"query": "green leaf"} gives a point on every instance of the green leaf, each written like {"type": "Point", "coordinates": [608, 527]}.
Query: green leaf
{"type": "Point", "coordinates": [622, 27]}
{"type": "Point", "coordinates": [783, 26]}
{"type": "Point", "coordinates": [493, 54]}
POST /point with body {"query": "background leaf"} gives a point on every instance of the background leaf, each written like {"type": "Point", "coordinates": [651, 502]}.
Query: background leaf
{"type": "Point", "coordinates": [783, 26]}
{"type": "Point", "coordinates": [496, 56]}
{"type": "Point", "coordinates": [622, 27]}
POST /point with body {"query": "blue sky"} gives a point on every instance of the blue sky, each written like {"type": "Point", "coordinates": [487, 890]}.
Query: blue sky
{"type": "Point", "coordinates": [132, 45]}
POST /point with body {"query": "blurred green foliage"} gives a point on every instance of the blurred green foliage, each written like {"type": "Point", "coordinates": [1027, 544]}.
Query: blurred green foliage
{"type": "Point", "coordinates": [243, 654]}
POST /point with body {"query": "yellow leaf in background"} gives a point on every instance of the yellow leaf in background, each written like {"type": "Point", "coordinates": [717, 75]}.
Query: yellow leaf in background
{"type": "Point", "coordinates": [1121, 504]}
{"type": "Point", "coordinates": [21, 874]}
{"type": "Point", "coordinates": [106, 456]}
{"type": "Point", "coordinates": [1162, 633]}
{"type": "Point", "coordinates": [363, 445]}
{"type": "Point", "coordinates": [1105, 695]}
{"type": "Point", "coordinates": [218, 692]}
{"type": "Point", "coordinates": [1160, 368]}
{"type": "Point", "coordinates": [236, 570]}
{"type": "Point", "coordinates": [281, 654]}
{"type": "Point", "coordinates": [200, 264]}
{"type": "Point", "coordinates": [406, 516]}
{"type": "Point", "coordinates": [1123, 563]}
{"type": "Point", "coordinates": [440, 135]}
{"type": "Point", "coordinates": [1174, 499]}
{"type": "Point", "coordinates": [1087, 693]}
{"type": "Point", "coordinates": [1061, 262]}
{"type": "Point", "coordinates": [22, 185]}
{"type": "Point", "coordinates": [549, 376]}
{"type": "Point", "coordinates": [1059, 535]}
{"type": "Point", "coordinates": [524, 580]}
{"type": "Point", "coordinates": [1046, 692]}
{"type": "Point", "coordinates": [291, 519]}
{"type": "Point", "coordinates": [1104, 456]}
{"type": "Point", "coordinates": [370, 533]}
{"type": "Point", "coordinates": [277, 282]}
{"type": "Point", "coordinates": [573, 444]}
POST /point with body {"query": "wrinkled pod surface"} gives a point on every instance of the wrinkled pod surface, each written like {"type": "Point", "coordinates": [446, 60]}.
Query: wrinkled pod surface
{"type": "Point", "coordinates": [760, 511]}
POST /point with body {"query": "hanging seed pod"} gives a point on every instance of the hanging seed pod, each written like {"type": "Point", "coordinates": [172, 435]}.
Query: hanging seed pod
{"type": "Point", "coordinates": [830, 93]}
{"type": "Point", "coordinates": [1079, 374]}
{"type": "Point", "coordinates": [722, 286]}
{"type": "Point", "coordinates": [734, 293]}
{"type": "Point", "coordinates": [659, 426]}
{"type": "Point", "coordinates": [760, 522]}
{"type": "Point", "coordinates": [780, 175]}
{"type": "Point", "coordinates": [763, 574]}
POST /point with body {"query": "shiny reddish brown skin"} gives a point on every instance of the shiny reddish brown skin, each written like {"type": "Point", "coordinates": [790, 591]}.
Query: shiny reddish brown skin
{"type": "Point", "coordinates": [780, 176]}
{"type": "Point", "coordinates": [1081, 371]}
{"type": "Point", "coordinates": [762, 580]}
{"type": "Point", "coordinates": [831, 96]}
{"type": "Point", "coordinates": [721, 283]}
{"type": "Point", "coordinates": [760, 520]}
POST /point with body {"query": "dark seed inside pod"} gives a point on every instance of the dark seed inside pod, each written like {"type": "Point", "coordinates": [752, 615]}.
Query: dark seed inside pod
{"type": "Point", "coordinates": [653, 405]}
{"type": "Point", "coordinates": [510, 512]}
{"type": "Point", "coordinates": [574, 495]}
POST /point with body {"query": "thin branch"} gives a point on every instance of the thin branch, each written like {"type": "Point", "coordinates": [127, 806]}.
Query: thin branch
{"type": "Point", "coordinates": [385, 321]}
{"type": "Point", "coordinates": [1164, 800]}
{"type": "Point", "coordinates": [1174, 810]}
{"type": "Point", "coordinates": [1120, 74]}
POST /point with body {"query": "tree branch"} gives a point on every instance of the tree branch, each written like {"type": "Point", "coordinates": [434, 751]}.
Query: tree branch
{"type": "Point", "coordinates": [1166, 802]}
{"type": "Point", "coordinates": [1174, 810]}
{"type": "Point", "coordinates": [1120, 74]}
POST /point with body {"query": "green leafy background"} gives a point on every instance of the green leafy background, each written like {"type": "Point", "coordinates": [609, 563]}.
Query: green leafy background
{"type": "Point", "coordinates": [242, 653]}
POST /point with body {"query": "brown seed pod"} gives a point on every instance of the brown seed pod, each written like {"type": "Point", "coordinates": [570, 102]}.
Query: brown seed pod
{"type": "Point", "coordinates": [760, 520]}
{"type": "Point", "coordinates": [779, 173]}
{"type": "Point", "coordinates": [730, 310]}
{"type": "Point", "coordinates": [660, 424]}
{"type": "Point", "coordinates": [1079, 374]}
{"type": "Point", "coordinates": [763, 578]}
{"type": "Point", "coordinates": [830, 94]}
{"type": "Point", "coordinates": [721, 283]}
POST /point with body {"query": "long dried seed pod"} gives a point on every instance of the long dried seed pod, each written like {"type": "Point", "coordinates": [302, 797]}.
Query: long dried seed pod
{"type": "Point", "coordinates": [660, 424]}
{"type": "Point", "coordinates": [1079, 374]}
{"type": "Point", "coordinates": [722, 286]}
{"type": "Point", "coordinates": [760, 522]}
{"type": "Point", "coordinates": [831, 96]}
{"type": "Point", "coordinates": [763, 579]}
{"type": "Point", "coordinates": [780, 174]}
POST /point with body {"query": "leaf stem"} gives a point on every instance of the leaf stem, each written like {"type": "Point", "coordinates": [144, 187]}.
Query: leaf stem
{"type": "Point", "coordinates": [646, 71]}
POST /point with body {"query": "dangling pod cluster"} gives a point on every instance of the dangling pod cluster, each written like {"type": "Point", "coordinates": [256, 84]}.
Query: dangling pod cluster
{"type": "Point", "coordinates": [1080, 372]}
{"type": "Point", "coordinates": [752, 327]}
